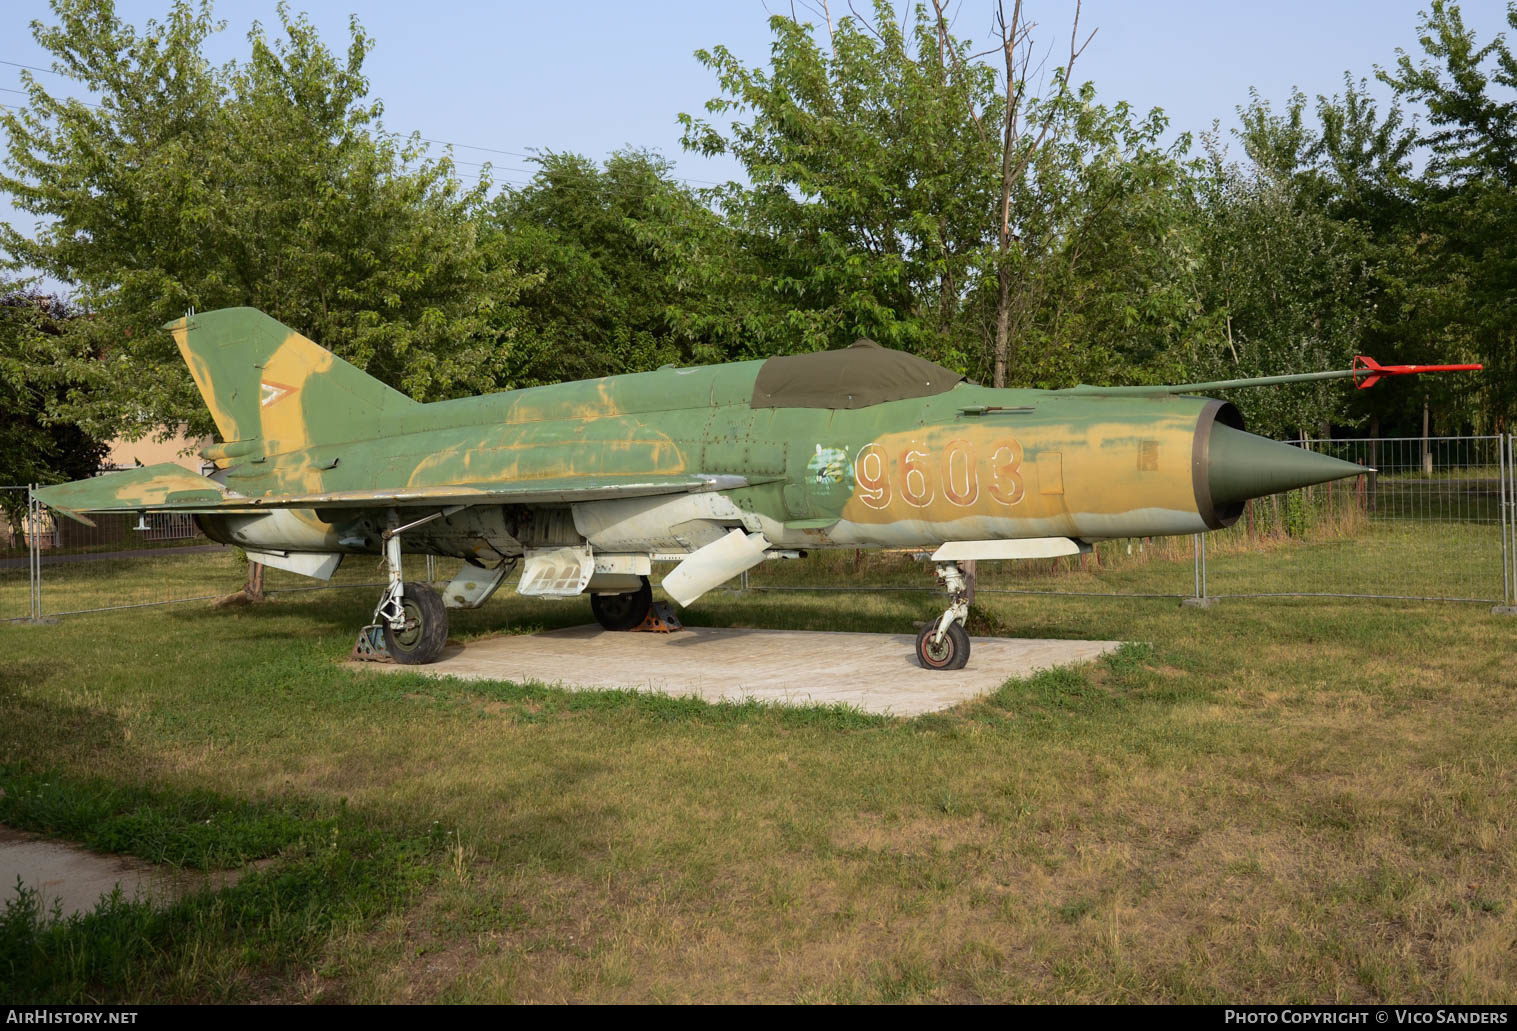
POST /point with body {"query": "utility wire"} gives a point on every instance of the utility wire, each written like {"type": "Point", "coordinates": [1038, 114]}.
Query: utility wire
{"type": "Point", "coordinates": [31, 67]}
{"type": "Point", "coordinates": [86, 103]}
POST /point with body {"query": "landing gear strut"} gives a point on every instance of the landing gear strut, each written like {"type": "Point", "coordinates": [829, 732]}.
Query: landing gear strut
{"type": "Point", "coordinates": [945, 643]}
{"type": "Point", "coordinates": [412, 616]}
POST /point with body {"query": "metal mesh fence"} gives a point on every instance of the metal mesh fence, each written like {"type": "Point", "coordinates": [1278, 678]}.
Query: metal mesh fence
{"type": "Point", "coordinates": [59, 536]}
{"type": "Point", "coordinates": [1428, 524]}
{"type": "Point", "coordinates": [1435, 521]}
{"type": "Point", "coordinates": [167, 576]}
{"type": "Point", "coordinates": [16, 574]}
{"type": "Point", "coordinates": [53, 566]}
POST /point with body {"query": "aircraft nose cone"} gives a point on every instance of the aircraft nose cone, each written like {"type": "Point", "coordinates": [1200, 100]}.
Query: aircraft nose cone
{"type": "Point", "coordinates": [1242, 465]}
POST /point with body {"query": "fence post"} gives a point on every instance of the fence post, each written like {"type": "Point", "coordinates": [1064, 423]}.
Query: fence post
{"type": "Point", "coordinates": [1508, 528]}
{"type": "Point", "coordinates": [34, 553]}
{"type": "Point", "coordinates": [34, 510]}
{"type": "Point", "coordinates": [1506, 564]}
{"type": "Point", "coordinates": [1198, 551]}
{"type": "Point", "coordinates": [31, 492]}
{"type": "Point", "coordinates": [31, 553]}
{"type": "Point", "coordinates": [1205, 594]}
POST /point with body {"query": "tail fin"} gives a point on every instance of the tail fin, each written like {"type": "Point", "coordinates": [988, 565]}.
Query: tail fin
{"type": "Point", "coordinates": [264, 381]}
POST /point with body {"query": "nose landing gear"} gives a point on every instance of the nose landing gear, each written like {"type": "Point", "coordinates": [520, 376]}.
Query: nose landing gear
{"type": "Point", "coordinates": [945, 643]}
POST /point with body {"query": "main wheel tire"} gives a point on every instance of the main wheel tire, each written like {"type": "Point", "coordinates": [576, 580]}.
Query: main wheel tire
{"type": "Point", "coordinates": [949, 653]}
{"type": "Point", "coordinates": [426, 630]}
{"type": "Point", "coordinates": [623, 611]}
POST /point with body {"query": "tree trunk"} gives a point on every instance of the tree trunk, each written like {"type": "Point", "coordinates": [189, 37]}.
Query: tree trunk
{"type": "Point", "coordinates": [252, 589]}
{"type": "Point", "coordinates": [1018, 151]}
{"type": "Point", "coordinates": [1003, 325]}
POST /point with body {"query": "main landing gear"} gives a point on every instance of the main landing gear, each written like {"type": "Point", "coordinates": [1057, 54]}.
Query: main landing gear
{"type": "Point", "coordinates": [417, 634]}
{"type": "Point", "coordinates": [944, 644]}
{"type": "Point", "coordinates": [635, 610]}
{"type": "Point", "coordinates": [410, 617]}
{"type": "Point", "coordinates": [623, 611]}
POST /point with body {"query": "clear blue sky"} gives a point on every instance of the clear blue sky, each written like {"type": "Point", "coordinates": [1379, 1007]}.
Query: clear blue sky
{"type": "Point", "coordinates": [593, 76]}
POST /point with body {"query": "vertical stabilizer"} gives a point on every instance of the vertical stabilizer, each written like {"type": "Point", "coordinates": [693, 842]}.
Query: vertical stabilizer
{"type": "Point", "coordinates": [264, 381]}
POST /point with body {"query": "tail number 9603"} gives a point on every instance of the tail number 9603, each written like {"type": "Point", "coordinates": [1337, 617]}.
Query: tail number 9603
{"type": "Point", "coordinates": [916, 476]}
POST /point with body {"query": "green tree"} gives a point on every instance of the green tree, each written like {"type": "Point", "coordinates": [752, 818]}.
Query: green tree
{"type": "Point", "coordinates": [1288, 282]}
{"type": "Point", "coordinates": [1468, 198]}
{"type": "Point", "coordinates": [903, 189]}
{"type": "Point", "coordinates": [268, 183]}
{"type": "Point", "coordinates": [1361, 173]}
{"type": "Point", "coordinates": [606, 246]}
{"type": "Point", "coordinates": [34, 446]}
{"type": "Point", "coordinates": [1102, 271]}
{"type": "Point", "coordinates": [869, 201]}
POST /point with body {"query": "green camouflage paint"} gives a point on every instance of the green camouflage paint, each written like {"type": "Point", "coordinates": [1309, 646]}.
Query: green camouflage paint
{"type": "Point", "coordinates": [306, 431]}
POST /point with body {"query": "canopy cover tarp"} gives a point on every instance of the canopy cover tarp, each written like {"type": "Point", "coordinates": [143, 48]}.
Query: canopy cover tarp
{"type": "Point", "coordinates": [855, 377]}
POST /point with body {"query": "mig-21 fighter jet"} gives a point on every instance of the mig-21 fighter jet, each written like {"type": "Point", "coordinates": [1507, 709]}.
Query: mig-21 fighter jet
{"type": "Point", "coordinates": [717, 468]}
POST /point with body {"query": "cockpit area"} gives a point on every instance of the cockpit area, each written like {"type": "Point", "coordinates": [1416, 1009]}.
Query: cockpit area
{"type": "Point", "coordinates": [858, 376]}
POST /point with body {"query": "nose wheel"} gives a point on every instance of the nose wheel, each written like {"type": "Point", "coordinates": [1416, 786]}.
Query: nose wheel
{"type": "Point", "coordinates": [944, 644]}
{"type": "Point", "coordinates": [949, 650]}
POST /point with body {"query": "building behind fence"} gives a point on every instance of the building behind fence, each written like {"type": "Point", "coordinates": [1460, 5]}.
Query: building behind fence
{"type": "Point", "coordinates": [1437, 521]}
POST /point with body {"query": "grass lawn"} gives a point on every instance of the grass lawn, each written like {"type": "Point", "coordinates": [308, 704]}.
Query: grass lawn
{"type": "Point", "coordinates": [1279, 800]}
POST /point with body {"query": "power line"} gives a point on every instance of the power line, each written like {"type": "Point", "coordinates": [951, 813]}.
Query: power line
{"type": "Point", "coordinates": [76, 100]}
{"type": "Point", "coordinates": [470, 146]}
{"type": "Point", "coordinates": [31, 67]}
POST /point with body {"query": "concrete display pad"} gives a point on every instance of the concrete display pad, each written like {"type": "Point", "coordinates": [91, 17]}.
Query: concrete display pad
{"type": "Point", "coordinates": [876, 672]}
{"type": "Point", "coordinates": [76, 878]}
